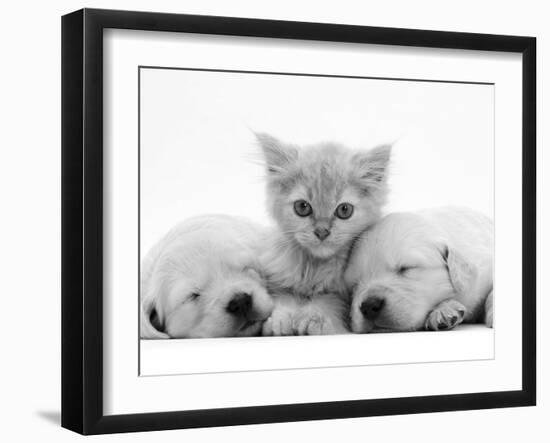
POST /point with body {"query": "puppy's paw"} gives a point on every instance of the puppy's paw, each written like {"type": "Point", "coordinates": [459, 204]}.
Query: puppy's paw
{"type": "Point", "coordinates": [489, 319]}
{"type": "Point", "coordinates": [446, 315]}
{"type": "Point", "coordinates": [267, 327]}
{"type": "Point", "coordinates": [489, 310]}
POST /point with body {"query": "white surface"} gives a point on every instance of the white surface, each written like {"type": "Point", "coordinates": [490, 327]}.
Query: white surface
{"type": "Point", "coordinates": [467, 342]}
{"type": "Point", "coordinates": [125, 392]}
{"type": "Point", "coordinates": [30, 183]}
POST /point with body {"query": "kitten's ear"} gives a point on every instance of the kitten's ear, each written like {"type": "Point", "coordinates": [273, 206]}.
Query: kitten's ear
{"type": "Point", "coordinates": [278, 156]}
{"type": "Point", "coordinates": [373, 165]}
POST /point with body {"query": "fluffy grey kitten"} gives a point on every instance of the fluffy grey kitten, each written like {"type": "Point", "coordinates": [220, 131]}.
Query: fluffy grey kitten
{"type": "Point", "coordinates": [322, 197]}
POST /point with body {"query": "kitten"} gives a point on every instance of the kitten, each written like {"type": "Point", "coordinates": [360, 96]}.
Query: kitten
{"type": "Point", "coordinates": [322, 197]}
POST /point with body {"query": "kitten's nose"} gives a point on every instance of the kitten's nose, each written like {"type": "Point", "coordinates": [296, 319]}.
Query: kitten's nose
{"type": "Point", "coordinates": [240, 304]}
{"type": "Point", "coordinates": [372, 306]}
{"type": "Point", "coordinates": [321, 233]}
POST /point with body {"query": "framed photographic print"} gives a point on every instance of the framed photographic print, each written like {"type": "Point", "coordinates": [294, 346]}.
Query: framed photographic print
{"type": "Point", "coordinates": [268, 221]}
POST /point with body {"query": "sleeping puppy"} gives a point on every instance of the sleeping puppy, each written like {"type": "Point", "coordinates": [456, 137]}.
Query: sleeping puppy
{"type": "Point", "coordinates": [202, 280]}
{"type": "Point", "coordinates": [427, 270]}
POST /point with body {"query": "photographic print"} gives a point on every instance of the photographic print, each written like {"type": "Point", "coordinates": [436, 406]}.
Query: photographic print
{"type": "Point", "coordinates": [288, 204]}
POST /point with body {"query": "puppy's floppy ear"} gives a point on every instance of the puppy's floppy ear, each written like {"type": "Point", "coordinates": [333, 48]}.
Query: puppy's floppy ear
{"type": "Point", "coordinates": [150, 321]}
{"type": "Point", "coordinates": [461, 273]}
{"type": "Point", "coordinates": [372, 166]}
{"type": "Point", "coordinates": [254, 269]}
{"type": "Point", "coordinates": [278, 156]}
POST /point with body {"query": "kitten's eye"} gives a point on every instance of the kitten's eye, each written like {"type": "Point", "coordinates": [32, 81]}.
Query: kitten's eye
{"type": "Point", "coordinates": [302, 208]}
{"type": "Point", "coordinates": [344, 211]}
{"type": "Point", "coordinates": [194, 296]}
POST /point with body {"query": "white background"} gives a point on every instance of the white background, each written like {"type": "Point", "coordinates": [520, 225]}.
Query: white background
{"type": "Point", "coordinates": [30, 178]}
{"type": "Point", "coordinates": [442, 134]}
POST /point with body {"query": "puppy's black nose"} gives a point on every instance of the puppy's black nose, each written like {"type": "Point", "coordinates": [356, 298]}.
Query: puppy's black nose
{"type": "Point", "coordinates": [240, 304]}
{"type": "Point", "coordinates": [372, 306]}
{"type": "Point", "coordinates": [321, 233]}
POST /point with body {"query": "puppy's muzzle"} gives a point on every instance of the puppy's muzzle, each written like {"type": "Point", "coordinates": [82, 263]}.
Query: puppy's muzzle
{"type": "Point", "coordinates": [240, 305]}
{"type": "Point", "coordinates": [372, 306]}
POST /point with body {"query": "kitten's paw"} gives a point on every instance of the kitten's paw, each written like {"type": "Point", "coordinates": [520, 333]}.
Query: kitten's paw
{"type": "Point", "coordinates": [446, 315]}
{"type": "Point", "coordinates": [317, 324]}
{"type": "Point", "coordinates": [309, 325]}
{"type": "Point", "coordinates": [280, 323]}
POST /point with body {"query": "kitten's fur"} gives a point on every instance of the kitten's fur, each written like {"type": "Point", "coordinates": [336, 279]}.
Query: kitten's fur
{"type": "Point", "coordinates": [303, 272]}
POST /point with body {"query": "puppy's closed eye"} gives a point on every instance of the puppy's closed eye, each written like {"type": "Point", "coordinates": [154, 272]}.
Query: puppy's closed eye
{"type": "Point", "coordinates": [193, 296]}
{"type": "Point", "coordinates": [403, 269]}
{"type": "Point", "coordinates": [189, 297]}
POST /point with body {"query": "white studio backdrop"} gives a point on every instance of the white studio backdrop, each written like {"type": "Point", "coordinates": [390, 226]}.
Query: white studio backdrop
{"type": "Point", "coordinates": [199, 155]}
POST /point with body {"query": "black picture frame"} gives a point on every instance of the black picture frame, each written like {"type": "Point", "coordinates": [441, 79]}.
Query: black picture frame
{"type": "Point", "coordinates": [82, 220]}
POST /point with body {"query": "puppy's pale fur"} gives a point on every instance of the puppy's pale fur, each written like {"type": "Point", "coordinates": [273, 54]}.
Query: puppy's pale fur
{"type": "Point", "coordinates": [192, 274]}
{"type": "Point", "coordinates": [433, 269]}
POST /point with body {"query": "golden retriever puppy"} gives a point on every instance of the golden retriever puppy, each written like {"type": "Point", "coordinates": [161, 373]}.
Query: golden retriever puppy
{"type": "Point", "coordinates": [202, 280]}
{"type": "Point", "coordinates": [427, 270]}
